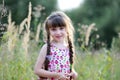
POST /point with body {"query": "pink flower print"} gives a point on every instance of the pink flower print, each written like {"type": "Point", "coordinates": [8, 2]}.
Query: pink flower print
{"type": "Point", "coordinates": [52, 78]}
{"type": "Point", "coordinates": [55, 49]}
{"type": "Point", "coordinates": [60, 49]}
{"type": "Point", "coordinates": [52, 61]}
{"type": "Point", "coordinates": [55, 53]}
{"type": "Point", "coordinates": [61, 66]}
{"type": "Point", "coordinates": [62, 52]}
{"type": "Point", "coordinates": [49, 66]}
{"type": "Point", "coordinates": [68, 71]}
{"type": "Point", "coordinates": [50, 53]}
{"type": "Point", "coordinates": [56, 62]}
{"type": "Point", "coordinates": [65, 66]}
{"type": "Point", "coordinates": [60, 70]}
{"type": "Point", "coordinates": [66, 54]}
{"type": "Point", "coordinates": [67, 62]}
{"type": "Point", "coordinates": [57, 57]}
{"type": "Point", "coordinates": [61, 57]}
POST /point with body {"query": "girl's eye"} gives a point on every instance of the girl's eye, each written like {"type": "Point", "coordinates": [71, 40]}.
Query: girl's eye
{"type": "Point", "coordinates": [53, 29]}
{"type": "Point", "coordinates": [61, 28]}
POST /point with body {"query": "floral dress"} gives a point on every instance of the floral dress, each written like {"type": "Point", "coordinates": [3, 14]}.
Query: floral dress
{"type": "Point", "coordinates": [59, 60]}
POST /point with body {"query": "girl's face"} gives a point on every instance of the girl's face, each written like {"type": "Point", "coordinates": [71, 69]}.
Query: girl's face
{"type": "Point", "coordinates": [58, 34]}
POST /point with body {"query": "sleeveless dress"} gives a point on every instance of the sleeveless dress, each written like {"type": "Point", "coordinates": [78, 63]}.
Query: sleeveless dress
{"type": "Point", "coordinates": [59, 60]}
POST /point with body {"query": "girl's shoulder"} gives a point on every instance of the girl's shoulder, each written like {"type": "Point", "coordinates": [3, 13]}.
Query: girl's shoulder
{"type": "Point", "coordinates": [44, 47]}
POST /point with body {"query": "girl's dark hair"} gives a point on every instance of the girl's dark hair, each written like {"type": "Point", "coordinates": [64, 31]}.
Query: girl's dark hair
{"type": "Point", "coordinates": [59, 19]}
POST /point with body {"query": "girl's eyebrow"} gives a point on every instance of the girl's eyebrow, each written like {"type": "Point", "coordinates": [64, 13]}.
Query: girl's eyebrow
{"type": "Point", "coordinates": [52, 27]}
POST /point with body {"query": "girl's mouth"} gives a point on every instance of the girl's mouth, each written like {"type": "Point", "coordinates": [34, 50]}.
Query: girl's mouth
{"type": "Point", "coordinates": [58, 37]}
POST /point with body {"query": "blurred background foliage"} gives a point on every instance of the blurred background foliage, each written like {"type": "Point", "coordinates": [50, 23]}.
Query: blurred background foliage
{"type": "Point", "coordinates": [104, 13]}
{"type": "Point", "coordinates": [19, 8]}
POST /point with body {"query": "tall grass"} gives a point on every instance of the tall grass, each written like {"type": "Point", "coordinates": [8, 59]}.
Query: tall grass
{"type": "Point", "coordinates": [103, 65]}
{"type": "Point", "coordinates": [18, 54]}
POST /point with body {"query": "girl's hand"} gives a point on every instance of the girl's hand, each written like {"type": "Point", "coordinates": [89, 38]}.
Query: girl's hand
{"type": "Point", "coordinates": [74, 75]}
{"type": "Point", "coordinates": [64, 77]}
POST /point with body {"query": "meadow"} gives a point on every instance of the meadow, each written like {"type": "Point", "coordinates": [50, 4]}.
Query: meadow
{"type": "Point", "coordinates": [18, 53]}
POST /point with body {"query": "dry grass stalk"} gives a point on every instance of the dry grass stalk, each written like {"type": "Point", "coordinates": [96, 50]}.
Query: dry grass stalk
{"type": "Point", "coordinates": [22, 25]}
{"type": "Point", "coordinates": [27, 32]}
{"type": "Point", "coordinates": [88, 33]}
{"type": "Point", "coordinates": [12, 33]}
{"type": "Point", "coordinates": [29, 15]}
{"type": "Point", "coordinates": [38, 32]}
{"type": "Point", "coordinates": [9, 22]}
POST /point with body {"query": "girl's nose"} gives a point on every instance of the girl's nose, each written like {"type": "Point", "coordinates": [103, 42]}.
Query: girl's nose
{"type": "Point", "coordinates": [58, 31]}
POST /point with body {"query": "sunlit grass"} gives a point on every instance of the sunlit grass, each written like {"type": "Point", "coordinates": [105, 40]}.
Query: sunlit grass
{"type": "Point", "coordinates": [99, 66]}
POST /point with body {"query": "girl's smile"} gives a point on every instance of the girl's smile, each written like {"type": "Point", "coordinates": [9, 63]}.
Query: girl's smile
{"type": "Point", "coordinates": [58, 36]}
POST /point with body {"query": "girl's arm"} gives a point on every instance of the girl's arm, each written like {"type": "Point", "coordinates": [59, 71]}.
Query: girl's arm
{"type": "Point", "coordinates": [39, 63]}
{"type": "Point", "coordinates": [74, 74]}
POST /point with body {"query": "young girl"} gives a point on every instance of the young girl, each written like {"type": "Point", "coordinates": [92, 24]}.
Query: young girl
{"type": "Point", "coordinates": [55, 61]}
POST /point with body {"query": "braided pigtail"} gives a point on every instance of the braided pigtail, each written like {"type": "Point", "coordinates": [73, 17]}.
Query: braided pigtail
{"type": "Point", "coordinates": [48, 51]}
{"type": "Point", "coordinates": [71, 51]}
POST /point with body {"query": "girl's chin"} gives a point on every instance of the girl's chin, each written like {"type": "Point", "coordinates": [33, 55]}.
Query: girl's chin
{"type": "Point", "coordinates": [58, 40]}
